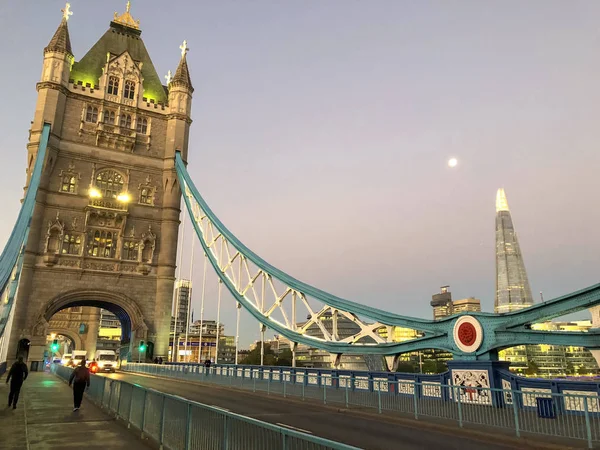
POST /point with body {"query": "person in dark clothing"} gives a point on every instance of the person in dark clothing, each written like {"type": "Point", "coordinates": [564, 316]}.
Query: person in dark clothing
{"type": "Point", "coordinates": [80, 378]}
{"type": "Point", "coordinates": [207, 363]}
{"type": "Point", "coordinates": [160, 361]}
{"type": "Point", "coordinates": [17, 374]}
{"type": "Point", "coordinates": [155, 360]}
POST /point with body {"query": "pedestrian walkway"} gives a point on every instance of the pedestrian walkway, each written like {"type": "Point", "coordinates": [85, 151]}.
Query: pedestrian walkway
{"type": "Point", "coordinates": [44, 420]}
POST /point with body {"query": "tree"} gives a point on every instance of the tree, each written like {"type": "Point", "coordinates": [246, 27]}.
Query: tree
{"type": "Point", "coordinates": [532, 368]}
{"type": "Point", "coordinates": [406, 367]}
{"type": "Point", "coordinates": [284, 358]}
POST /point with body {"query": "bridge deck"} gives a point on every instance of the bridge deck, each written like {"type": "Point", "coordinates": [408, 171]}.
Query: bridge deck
{"type": "Point", "coordinates": [44, 419]}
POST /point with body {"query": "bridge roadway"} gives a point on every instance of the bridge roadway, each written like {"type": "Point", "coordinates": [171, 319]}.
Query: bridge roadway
{"type": "Point", "coordinates": [366, 431]}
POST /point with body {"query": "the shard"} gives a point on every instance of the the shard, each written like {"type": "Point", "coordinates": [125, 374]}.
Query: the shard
{"type": "Point", "coordinates": [512, 286]}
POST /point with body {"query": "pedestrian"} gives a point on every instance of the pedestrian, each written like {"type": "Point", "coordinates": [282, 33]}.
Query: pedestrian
{"type": "Point", "coordinates": [17, 374]}
{"type": "Point", "coordinates": [160, 360]}
{"type": "Point", "coordinates": [207, 363]}
{"type": "Point", "coordinates": [155, 360]}
{"type": "Point", "coordinates": [80, 378]}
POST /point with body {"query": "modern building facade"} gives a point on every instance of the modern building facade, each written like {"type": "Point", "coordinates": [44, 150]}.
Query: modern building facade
{"type": "Point", "coordinates": [444, 306]}
{"type": "Point", "coordinates": [182, 298]}
{"type": "Point", "coordinates": [512, 285]}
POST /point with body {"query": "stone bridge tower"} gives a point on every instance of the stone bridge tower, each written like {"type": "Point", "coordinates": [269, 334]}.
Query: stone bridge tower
{"type": "Point", "coordinates": [106, 222]}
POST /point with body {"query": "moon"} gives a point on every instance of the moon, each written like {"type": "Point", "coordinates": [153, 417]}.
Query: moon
{"type": "Point", "coordinates": [452, 162]}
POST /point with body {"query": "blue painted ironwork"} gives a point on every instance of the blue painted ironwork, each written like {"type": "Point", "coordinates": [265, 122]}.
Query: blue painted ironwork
{"type": "Point", "coordinates": [499, 330]}
{"type": "Point", "coordinates": [11, 260]}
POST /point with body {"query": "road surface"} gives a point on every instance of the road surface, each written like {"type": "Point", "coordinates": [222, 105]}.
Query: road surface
{"type": "Point", "coordinates": [358, 430]}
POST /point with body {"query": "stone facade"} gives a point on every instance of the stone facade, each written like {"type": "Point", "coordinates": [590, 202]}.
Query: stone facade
{"type": "Point", "coordinates": [105, 226]}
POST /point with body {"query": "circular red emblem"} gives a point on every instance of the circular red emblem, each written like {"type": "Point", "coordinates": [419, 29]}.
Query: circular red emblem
{"type": "Point", "coordinates": [467, 334]}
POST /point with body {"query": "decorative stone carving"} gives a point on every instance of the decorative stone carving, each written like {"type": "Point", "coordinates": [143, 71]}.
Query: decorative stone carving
{"type": "Point", "coordinates": [40, 327]}
{"type": "Point", "coordinates": [148, 245]}
{"type": "Point", "coordinates": [147, 192]}
{"type": "Point", "coordinates": [473, 386]}
{"type": "Point", "coordinates": [54, 236]}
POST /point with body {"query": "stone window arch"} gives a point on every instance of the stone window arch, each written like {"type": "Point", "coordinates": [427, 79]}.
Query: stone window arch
{"type": "Point", "coordinates": [91, 114]}
{"type": "Point", "coordinates": [110, 183]}
{"type": "Point", "coordinates": [125, 120]}
{"type": "Point", "coordinates": [69, 184]}
{"type": "Point", "coordinates": [102, 244]}
{"type": "Point", "coordinates": [109, 117]}
{"type": "Point", "coordinates": [131, 250]}
{"type": "Point", "coordinates": [147, 196]}
{"type": "Point", "coordinates": [53, 241]}
{"type": "Point", "coordinates": [129, 90]}
{"type": "Point", "coordinates": [71, 244]}
{"type": "Point", "coordinates": [142, 125]}
{"type": "Point", "coordinates": [113, 85]}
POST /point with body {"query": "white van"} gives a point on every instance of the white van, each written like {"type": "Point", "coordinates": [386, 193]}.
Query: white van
{"type": "Point", "coordinates": [78, 356]}
{"type": "Point", "coordinates": [107, 360]}
{"type": "Point", "coordinates": [66, 359]}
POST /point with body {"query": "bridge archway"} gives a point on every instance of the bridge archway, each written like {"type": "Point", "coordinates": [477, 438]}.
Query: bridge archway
{"type": "Point", "coordinates": [124, 308]}
{"type": "Point", "coordinates": [69, 334]}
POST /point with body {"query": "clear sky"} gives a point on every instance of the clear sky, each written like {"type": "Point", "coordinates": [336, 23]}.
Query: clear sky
{"type": "Point", "coordinates": [322, 131]}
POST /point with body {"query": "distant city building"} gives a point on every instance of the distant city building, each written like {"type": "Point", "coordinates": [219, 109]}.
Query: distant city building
{"type": "Point", "coordinates": [512, 285]}
{"type": "Point", "coordinates": [443, 306]}
{"type": "Point", "coordinates": [183, 292]}
{"type": "Point", "coordinates": [277, 344]}
{"type": "Point", "coordinates": [442, 303]}
{"type": "Point", "coordinates": [190, 351]}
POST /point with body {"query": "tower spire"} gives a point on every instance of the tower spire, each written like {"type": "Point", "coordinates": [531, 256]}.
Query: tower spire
{"type": "Point", "coordinates": [182, 74]}
{"type": "Point", "coordinates": [61, 42]}
{"type": "Point", "coordinates": [512, 284]}
{"type": "Point", "coordinates": [501, 202]}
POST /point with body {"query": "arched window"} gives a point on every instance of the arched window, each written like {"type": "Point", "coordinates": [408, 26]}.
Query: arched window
{"type": "Point", "coordinates": [129, 91]}
{"type": "Point", "coordinates": [110, 183]}
{"type": "Point", "coordinates": [109, 117]}
{"type": "Point", "coordinates": [69, 183]}
{"type": "Point", "coordinates": [71, 244]}
{"type": "Point", "coordinates": [91, 114]}
{"type": "Point", "coordinates": [125, 120]}
{"type": "Point", "coordinates": [113, 85]}
{"type": "Point", "coordinates": [142, 125]}
{"type": "Point", "coordinates": [130, 250]}
{"type": "Point", "coordinates": [146, 196]}
{"type": "Point", "coordinates": [102, 244]}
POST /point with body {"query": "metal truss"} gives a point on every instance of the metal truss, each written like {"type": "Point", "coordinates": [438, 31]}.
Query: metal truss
{"type": "Point", "coordinates": [307, 315]}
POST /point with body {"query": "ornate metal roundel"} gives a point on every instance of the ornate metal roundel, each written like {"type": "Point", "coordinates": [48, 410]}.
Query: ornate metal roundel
{"type": "Point", "coordinates": [468, 334]}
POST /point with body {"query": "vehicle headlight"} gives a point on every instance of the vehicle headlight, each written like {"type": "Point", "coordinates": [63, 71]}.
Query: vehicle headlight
{"type": "Point", "coordinates": [100, 365]}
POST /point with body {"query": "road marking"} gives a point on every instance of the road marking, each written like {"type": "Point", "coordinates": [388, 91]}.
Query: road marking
{"type": "Point", "coordinates": [294, 428]}
{"type": "Point", "coordinates": [219, 407]}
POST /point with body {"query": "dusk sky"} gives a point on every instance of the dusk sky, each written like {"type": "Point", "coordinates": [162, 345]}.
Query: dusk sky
{"type": "Point", "coordinates": [322, 131]}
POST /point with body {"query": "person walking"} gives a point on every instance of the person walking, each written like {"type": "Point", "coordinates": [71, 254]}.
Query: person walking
{"type": "Point", "coordinates": [17, 374]}
{"type": "Point", "coordinates": [80, 378]}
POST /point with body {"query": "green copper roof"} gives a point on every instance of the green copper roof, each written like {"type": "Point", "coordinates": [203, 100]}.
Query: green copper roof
{"type": "Point", "coordinates": [117, 40]}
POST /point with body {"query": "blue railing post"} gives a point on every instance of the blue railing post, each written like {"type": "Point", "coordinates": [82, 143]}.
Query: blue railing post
{"type": "Point", "coordinates": [144, 412]}
{"type": "Point", "coordinates": [225, 433]}
{"type": "Point", "coordinates": [283, 440]}
{"type": "Point", "coordinates": [284, 383]}
{"type": "Point", "coordinates": [130, 406]}
{"type": "Point", "coordinates": [119, 401]}
{"type": "Point", "coordinates": [457, 395]}
{"type": "Point", "coordinates": [588, 428]}
{"type": "Point", "coordinates": [379, 396]}
{"type": "Point", "coordinates": [269, 385]}
{"type": "Point", "coordinates": [416, 395]}
{"type": "Point", "coordinates": [324, 391]}
{"type": "Point", "coordinates": [162, 422]}
{"type": "Point", "coordinates": [188, 428]}
{"type": "Point", "coordinates": [346, 394]}
{"type": "Point", "coordinates": [516, 413]}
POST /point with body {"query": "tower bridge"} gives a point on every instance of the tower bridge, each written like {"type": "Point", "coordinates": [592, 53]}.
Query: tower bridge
{"type": "Point", "coordinates": [99, 225]}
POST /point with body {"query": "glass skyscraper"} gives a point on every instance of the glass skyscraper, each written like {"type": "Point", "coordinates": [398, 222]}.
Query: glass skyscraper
{"type": "Point", "coordinates": [512, 286]}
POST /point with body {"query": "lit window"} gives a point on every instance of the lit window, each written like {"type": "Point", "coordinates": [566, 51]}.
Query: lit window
{"type": "Point", "coordinates": [102, 244]}
{"type": "Point", "coordinates": [113, 85]}
{"type": "Point", "coordinates": [71, 244]}
{"type": "Point", "coordinates": [91, 114]}
{"type": "Point", "coordinates": [110, 183]}
{"type": "Point", "coordinates": [69, 182]}
{"type": "Point", "coordinates": [142, 125]}
{"type": "Point", "coordinates": [130, 250]}
{"type": "Point", "coordinates": [109, 117]}
{"type": "Point", "coordinates": [146, 196]}
{"type": "Point", "coordinates": [129, 89]}
{"type": "Point", "coordinates": [126, 120]}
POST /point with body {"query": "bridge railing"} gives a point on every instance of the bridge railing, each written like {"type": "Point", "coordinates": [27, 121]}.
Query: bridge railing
{"type": "Point", "coordinates": [572, 415]}
{"type": "Point", "coordinates": [176, 423]}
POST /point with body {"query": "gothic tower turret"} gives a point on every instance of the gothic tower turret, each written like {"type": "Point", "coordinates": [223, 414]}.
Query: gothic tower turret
{"type": "Point", "coordinates": [105, 228]}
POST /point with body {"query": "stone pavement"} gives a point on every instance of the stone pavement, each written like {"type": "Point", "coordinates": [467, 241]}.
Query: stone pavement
{"type": "Point", "coordinates": [44, 419]}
